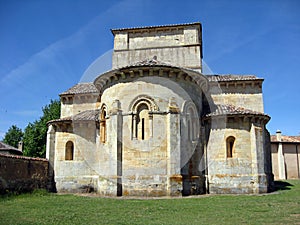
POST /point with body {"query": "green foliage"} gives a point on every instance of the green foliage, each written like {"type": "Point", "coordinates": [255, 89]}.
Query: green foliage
{"type": "Point", "coordinates": [35, 133]}
{"type": "Point", "coordinates": [281, 207]}
{"type": "Point", "coordinates": [13, 136]}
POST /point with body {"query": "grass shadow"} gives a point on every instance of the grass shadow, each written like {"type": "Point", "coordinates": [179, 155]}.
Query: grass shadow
{"type": "Point", "coordinates": [281, 185]}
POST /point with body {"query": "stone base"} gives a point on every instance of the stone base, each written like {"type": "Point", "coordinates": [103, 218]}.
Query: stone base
{"type": "Point", "coordinates": [230, 184]}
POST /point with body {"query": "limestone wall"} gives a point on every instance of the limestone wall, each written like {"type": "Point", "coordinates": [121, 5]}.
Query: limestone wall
{"type": "Point", "coordinates": [79, 174]}
{"type": "Point", "coordinates": [244, 171]}
{"type": "Point", "coordinates": [246, 94]}
{"type": "Point", "coordinates": [291, 160]}
{"type": "Point", "coordinates": [179, 46]}
{"type": "Point", "coordinates": [151, 166]}
{"type": "Point", "coordinates": [72, 105]}
{"type": "Point", "coordinates": [248, 101]}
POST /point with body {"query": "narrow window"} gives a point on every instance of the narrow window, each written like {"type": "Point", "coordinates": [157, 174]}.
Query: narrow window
{"type": "Point", "coordinates": [192, 124]}
{"type": "Point", "coordinates": [189, 130]}
{"type": "Point", "coordinates": [142, 123]}
{"type": "Point", "coordinates": [229, 146]}
{"type": "Point", "coordinates": [103, 125]}
{"type": "Point", "coordinates": [69, 153]}
{"type": "Point", "coordinates": [143, 128]}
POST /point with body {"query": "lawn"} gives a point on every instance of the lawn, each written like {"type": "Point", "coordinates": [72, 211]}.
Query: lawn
{"type": "Point", "coordinates": [280, 207]}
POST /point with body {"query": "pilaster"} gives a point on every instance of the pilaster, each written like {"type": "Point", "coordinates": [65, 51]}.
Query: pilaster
{"type": "Point", "coordinates": [174, 185]}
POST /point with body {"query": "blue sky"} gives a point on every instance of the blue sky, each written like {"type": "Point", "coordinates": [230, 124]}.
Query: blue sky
{"type": "Point", "coordinates": [47, 47]}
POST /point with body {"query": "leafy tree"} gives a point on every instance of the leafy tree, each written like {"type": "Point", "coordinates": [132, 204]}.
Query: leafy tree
{"type": "Point", "coordinates": [13, 136]}
{"type": "Point", "coordinates": [35, 133]}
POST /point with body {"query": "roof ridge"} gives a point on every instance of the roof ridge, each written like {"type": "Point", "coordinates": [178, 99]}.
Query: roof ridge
{"type": "Point", "coordinates": [154, 26]}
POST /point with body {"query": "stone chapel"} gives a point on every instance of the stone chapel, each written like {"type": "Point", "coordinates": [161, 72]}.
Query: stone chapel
{"type": "Point", "coordinates": [155, 125]}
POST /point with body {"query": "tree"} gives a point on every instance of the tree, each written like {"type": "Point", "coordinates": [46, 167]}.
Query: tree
{"type": "Point", "coordinates": [13, 136]}
{"type": "Point", "coordinates": [35, 133]}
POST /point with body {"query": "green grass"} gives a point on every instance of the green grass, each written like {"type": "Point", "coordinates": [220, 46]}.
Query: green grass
{"type": "Point", "coordinates": [281, 207]}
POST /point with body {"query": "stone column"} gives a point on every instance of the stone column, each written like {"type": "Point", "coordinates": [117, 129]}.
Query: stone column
{"type": "Point", "coordinates": [134, 127]}
{"type": "Point", "coordinates": [50, 145]}
{"type": "Point", "coordinates": [174, 185]}
{"type": "Point", "coordinates": [50, 154]}
{"type": "Point", "coordinates": [115, 136]}
{"type": "Point", "coordinates": [259, 179]}
{"type": "Point", "coordinates": [281, 162]}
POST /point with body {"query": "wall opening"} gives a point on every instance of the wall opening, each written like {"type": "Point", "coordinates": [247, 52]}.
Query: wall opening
{"type": "Point", "coordinates": [230, 146]}
{"type": "Point", "coordinates": [142, 108]}
{"type": "Point", "coordinates": [192, 124]}
{"type": "Point", "coordinates": [142, 122]}
{"type": "Point", "coordinates": [69, 153]}
{"type": "Point", "coordinates": [103, 125]}
{"type": "Point", "coordinates": [143, 128]}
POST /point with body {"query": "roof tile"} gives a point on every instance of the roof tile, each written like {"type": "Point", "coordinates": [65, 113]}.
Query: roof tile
{"type": "Point", "coordinates": [233, 110]}
{"type": "Point", "coordinates": [81, 88]}
{"type": "Point", "coordinates": [230, 77]}
{"type": "Point", "coordinates": [158, 26]}
{"type": "Point", "coordinates": [88, 115]}
{"type": "Point", "coordinates": [284, 138]}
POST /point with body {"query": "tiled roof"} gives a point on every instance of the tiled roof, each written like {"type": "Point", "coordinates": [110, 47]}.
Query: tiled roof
{"type": "Point", "coordinates": [284, 138]}
{"type": "Point", "coordinates": [155, 63]}
{"type": "Point", "coordinates": [6, 147]}
{"type": "Point", "coordinates": [149, 62]}
{"type": "Point", "coordinates": [23, 157]}
{"type": "Point", "coordinates": [88, 115]}
{"type": "Point", "coordinates": [220, 78]}
{"type": "Point", "coordinates": [81, 88]}
{"type": "Point", "coordinates": [159, 26]}
{"type": "Point", "coordinates": [84, 88]}
{"type": "Point", "coordinates": [233, 110]}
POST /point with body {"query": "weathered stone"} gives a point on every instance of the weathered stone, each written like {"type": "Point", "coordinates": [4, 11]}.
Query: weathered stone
{"type": "Point", "coordinates": [149, 127]}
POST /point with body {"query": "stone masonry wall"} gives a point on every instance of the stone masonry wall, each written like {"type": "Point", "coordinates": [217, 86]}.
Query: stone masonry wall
{"type": "Point", "coordinates": [180, 46]}
{"type": "Point", "coordinates": [23, 174]}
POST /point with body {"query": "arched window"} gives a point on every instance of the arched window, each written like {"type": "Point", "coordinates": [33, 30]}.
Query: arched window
{"type": "Point", "coordinates": [191, 121]}
{"type": "Point", "coordinates": [230, 146]}
{"type": "Point", "coordinates": [142, 118]}
{"type": "Point", "coordinates": [192, 124]}
{"type": "Point", "coordinates": [142, 122]}
{"type": "Point", "coordinates": [69, 153]}
{"type": "Point", "coordinates": [103, 125]}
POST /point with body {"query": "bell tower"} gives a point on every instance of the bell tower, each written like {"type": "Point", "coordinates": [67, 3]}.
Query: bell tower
{"type": "Point", "coordinates": [178, 45]}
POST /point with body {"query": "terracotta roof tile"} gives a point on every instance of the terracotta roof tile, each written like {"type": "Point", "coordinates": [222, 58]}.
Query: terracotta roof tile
{"type": "Point", "coordinates": [149, 62]}
{"type": "Point", "coordinates": [23, 157]}
{"type": "Point", "coordinates": [84, 88]}
{"type": "Point", "coordinates": [158, 26]}
{"type": "Point", "coordinates": [227, 77]}
{"type": "Point", "coordinates": [233, 110]}
{"type": "Point", "coordinates": [81, 88]}
{"type": "Point", "coordinates": [88, 115]}
{"type": "Point", "coordinates": [284, 138]}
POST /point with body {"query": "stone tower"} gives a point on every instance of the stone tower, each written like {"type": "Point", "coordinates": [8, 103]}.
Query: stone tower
{"type": "Point", "coordinates": [178, 45]}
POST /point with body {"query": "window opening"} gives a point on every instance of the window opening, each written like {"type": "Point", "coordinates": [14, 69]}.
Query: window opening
{"type": "Point", "coordinates": [189, 130]}
{"type": "Point", "coordinates": [69, 153]}
{"type": "Point", "coordinates": [143, 128]}
{"type": "Point", "coordinates": [230, 145]}
{"type": "Point", "coordinates": [142, 122]}
{"type": "Point", "coordinates": [103, 125]}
